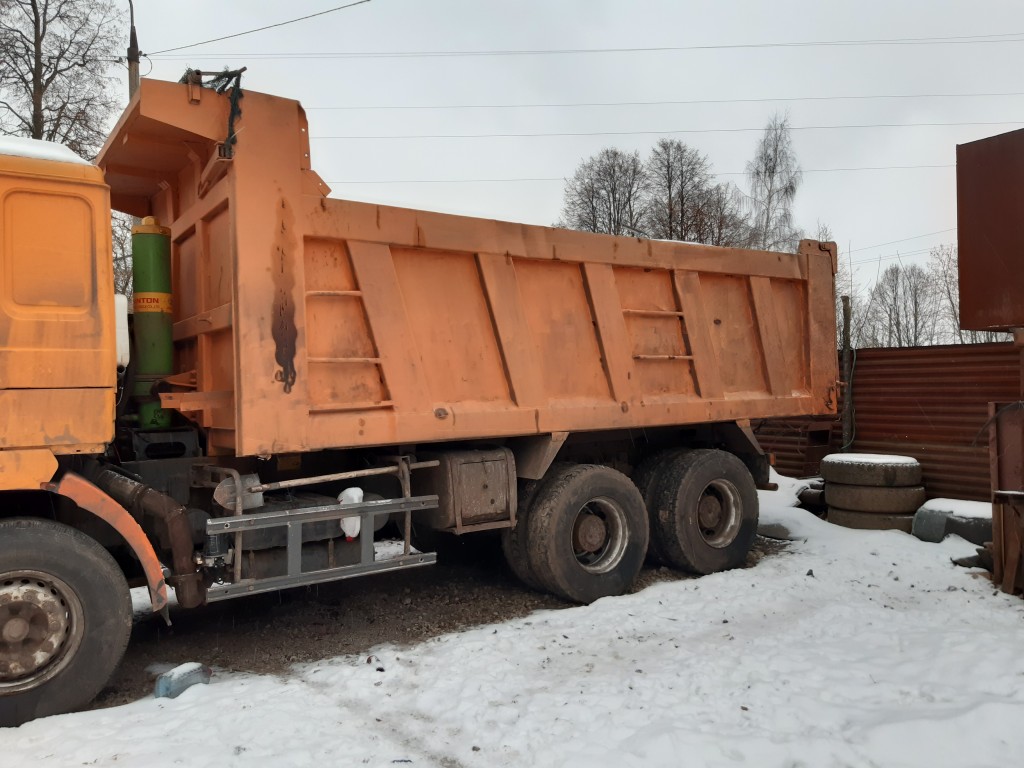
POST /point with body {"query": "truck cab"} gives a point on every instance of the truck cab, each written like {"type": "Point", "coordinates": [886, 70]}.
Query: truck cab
{"type": "Point", "coordinates": [58, 368]}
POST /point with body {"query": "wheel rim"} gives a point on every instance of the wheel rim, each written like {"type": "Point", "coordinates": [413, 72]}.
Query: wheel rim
{"type": "Point", "coordinates": [719, 513]}
{"type": "Point", "coordinates": [41, 628]}
{"type": "Point", "coordinates": [599, 535]}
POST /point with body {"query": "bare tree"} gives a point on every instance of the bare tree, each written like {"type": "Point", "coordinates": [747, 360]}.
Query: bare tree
{"type": "Point", "coordinates": [774, 176]}
{"type": "Point", "coordinates": [607, 194]}
{"type": "Point", "coordinates": [54, 60]}
{"type": "Point", "coordinates": [721, 219]}
{"type": "Point", "coordinates": [121, 238]}
{"type": "Point", "coordinates": [823, 233]}
{"type": "Point", "coordinates": [680, 180]}
{"type": "Point", "coordinates": [943, 266]}
{"type": "Point", "coordinates": [902, 309]}
{"type": "Point", "coordinates": [843, 282]}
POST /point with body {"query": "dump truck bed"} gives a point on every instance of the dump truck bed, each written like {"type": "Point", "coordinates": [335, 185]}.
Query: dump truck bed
{"type": "Point", "coordinates": [304, 322]}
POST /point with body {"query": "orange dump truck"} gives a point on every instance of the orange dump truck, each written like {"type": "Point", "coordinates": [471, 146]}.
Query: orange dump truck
{"type": "Point", "coordinates": [310, 376]}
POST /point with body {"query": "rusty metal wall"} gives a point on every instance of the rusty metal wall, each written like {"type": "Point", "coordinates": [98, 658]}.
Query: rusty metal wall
{"type": "Point", "coordinates": [927, 402]}
{"type": "Point", "coordinates": [932, 403]}
{"type": "Point", "coordinates": [990, 198]}
{"type": "Point", "coordinates": [799, 445]}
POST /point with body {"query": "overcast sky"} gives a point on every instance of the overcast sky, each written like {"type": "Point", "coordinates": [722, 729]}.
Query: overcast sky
{"type": "Point", "coordinates": [373, 97]}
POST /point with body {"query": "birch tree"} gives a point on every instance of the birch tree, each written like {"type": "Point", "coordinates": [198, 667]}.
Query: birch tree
{"type": "Point", "coordinates": [774, 176]}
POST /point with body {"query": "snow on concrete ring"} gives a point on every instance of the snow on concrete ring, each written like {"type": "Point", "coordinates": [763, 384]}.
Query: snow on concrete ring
{"type": "Point", "coordinates": [871, 469]}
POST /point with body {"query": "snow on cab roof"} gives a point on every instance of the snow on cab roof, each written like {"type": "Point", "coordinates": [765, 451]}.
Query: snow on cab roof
{"type": "Point", "coordinates": [38, 150]}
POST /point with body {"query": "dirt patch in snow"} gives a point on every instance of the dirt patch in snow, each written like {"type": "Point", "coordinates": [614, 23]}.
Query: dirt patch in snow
{"type": "Point", "coordinates": [266, 634]}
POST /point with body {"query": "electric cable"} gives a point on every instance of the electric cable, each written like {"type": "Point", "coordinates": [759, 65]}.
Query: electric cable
{"type": "Point", "coordinates": [259, 29]}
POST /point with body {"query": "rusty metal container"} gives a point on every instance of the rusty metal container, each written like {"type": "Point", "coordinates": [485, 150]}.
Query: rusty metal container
{"type": "Point", "coordinates": [990, 198]}
{"type": "Point", "coordinates": [990, 220]}
{"type": "Point", "coordinates": [1006, 447]}
{"type": "Point", "coordinates": [304, 322]}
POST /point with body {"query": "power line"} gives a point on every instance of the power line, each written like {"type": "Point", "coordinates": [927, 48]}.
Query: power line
{"type": "Point", "coordinates": [562, 179]}
{"type": "Point", "coordinates": [446, 181]}
{"type": "Point", "coordinates": [1006, 37]}
{"type": "Point", "coordinates": [658, 133]}
{"type": "Point", "coordinates": [259, 29]}
{"type": "Point", "coordinates": [862, 168]}
{"type": "Point", "coordinates": [905, 239]}
{"type": "Point", "coordinates": [670, 103]}
{"type": "Point", "coordinates": [892, 256]}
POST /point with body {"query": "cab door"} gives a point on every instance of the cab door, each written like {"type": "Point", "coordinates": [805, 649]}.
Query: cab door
{"type": "Point", "coordinates": [57, 349]}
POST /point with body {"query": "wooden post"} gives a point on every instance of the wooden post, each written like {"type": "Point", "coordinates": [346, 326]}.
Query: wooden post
{"type": "Point", "coordinates": [848, 425]}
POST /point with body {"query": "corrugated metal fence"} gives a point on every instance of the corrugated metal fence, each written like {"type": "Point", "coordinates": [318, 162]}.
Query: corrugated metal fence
{"type": "Point", "coordinates": [927, 402]}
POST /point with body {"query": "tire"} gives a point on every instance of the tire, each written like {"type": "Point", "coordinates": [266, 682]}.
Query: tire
{"type": "Point", "coordinates": [448, 547]}
{"type": "Point", "coordinates": [811, 497]}
{"type": "Point", "coordinates": [645, 476]}
{"type": "Point", "coordinates": [44, 564]}
{"type": "Point", "coordinates": [514, 540]}
{"type": "Point", "coordinates": [872, 470]}
{"type": "Point", "coordinates": [870, 521]}
{"type": "Point", "coordinates": [424, 539]}
{"type": "Point", "coordinates": [587, 533]}
{"type": "Point", "coordinates": [860, 498]}
{"type": "Point", "coordinates": [705, 511]}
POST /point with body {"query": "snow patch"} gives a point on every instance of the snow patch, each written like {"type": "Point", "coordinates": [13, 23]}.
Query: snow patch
{"type": "Point", "coordinates": [960, 508]}
{"type": "Point", "coordinates": [142, 605]}
{"type": "Point", "coordinates": [868, 458]}
{"type": "Point", "coordinates": [38, 150]}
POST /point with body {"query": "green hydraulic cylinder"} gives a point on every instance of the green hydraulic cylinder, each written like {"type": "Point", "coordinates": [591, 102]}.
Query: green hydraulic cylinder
{"type": "Point", "coordinates": [154, 332]}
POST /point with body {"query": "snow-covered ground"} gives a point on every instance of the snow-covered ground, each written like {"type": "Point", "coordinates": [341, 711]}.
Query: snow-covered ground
{"type": "Point", "coordinates": [852, 648]}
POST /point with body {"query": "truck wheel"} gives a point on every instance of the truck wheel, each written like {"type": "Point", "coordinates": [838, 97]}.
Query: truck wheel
{"type": "Point", "coordinates": [587, 533]}
{"type": "Point", "coordinates": [444, 545]}
{"type": "Point", "coordinates": [705, 511]}
{"type": "Point", "coordinates": [65, 618]}
{"type": "Point", "coordinates": [645, 476]}
{"type": "Point", "coordinates": [514, 540]}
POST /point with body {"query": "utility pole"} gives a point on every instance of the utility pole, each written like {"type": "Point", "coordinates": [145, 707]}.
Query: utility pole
{"type": "Point", "coordinates": [133, 55]}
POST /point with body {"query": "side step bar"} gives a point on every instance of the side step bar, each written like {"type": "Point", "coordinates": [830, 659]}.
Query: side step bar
{"type": "Point", "coordinates": [293, 521]}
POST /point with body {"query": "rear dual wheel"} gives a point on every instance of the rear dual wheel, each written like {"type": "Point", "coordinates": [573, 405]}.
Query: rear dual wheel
{"type": "Point", "coordinates": [582, 535]}
{"type": "Point", "coordinates": [513, 540]}
{"type": "Point", "coordinates": [646, 477]}
{"type": "Point", "coordinates": [583, 531]}
{"type": "Point", "coordinates": [703, 511]}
